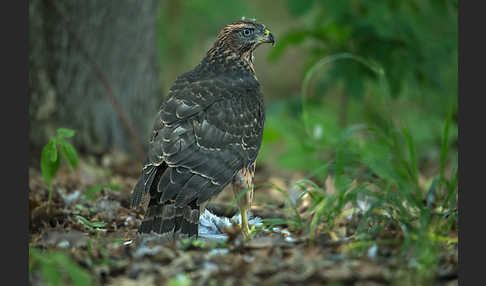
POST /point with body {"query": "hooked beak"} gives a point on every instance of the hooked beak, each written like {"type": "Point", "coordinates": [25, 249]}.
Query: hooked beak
{"type": "Point", "coordinates": [267, 38]}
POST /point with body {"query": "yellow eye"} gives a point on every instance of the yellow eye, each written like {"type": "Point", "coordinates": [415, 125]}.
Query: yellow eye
{"type": "Point", "coordinates": [267, 31]}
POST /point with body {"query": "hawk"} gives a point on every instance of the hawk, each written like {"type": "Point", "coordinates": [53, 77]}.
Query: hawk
{"type": "Point", "coordinates": [207, 135]}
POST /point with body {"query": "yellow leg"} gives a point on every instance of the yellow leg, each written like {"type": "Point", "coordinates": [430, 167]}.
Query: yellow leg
{"type": "Point", "coordinates": [244, 222]}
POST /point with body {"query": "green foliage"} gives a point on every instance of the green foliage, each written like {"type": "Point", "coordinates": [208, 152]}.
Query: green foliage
{"type": "Point", "coordinates": [190, 243]}
{"type": "Point", "coordinates": [375, 160]}
{"type": "Point", "coordinates": [91, 226]}
{"type": "Point", "coordinates": [51, 156]}
{"type": "Point", "coordinates": [378, 166]}
{"type": "Point", "coordinates": [415, 42]}
{"type": "Point", "coordinates": [57, 268]}
{"type": "Point", "coordinates": [50, 162]}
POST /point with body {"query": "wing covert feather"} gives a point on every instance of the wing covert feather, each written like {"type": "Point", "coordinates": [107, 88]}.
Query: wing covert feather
{"type": "Point", "coordinates": [206, 132]}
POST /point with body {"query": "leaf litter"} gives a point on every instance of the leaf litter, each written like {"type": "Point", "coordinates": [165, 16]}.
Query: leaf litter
{"type": "Point", "coordinates": [100, 237]}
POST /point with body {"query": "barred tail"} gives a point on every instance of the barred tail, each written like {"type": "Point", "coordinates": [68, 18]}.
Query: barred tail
{"type": "Point", "coordinates": [164, 217]}
{"type": "Point", "coordinates": [171, 221]}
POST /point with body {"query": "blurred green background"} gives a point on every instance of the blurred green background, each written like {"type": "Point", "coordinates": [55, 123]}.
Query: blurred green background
{"type": "Point", "coordinates": [336, 66]}
{"type": "Point", "coordinates": [390, 65]}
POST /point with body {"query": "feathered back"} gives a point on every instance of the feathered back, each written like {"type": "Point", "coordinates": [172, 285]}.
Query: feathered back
{"type": "Point", "coordinates": [209, 128]}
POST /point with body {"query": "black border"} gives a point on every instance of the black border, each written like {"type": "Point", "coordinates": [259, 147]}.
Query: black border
{"type": "Point", "coordinates": [471, 130]}
{"type": "Point", "coordinates": [14, 118]}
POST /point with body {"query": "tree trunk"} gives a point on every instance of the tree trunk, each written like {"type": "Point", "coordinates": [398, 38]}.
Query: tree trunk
{"type": "Point", "coordinates": [93, 67]}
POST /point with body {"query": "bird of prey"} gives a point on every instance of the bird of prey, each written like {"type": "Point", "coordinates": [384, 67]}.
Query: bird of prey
{"type": "Point", "coordinates": [206, 136]}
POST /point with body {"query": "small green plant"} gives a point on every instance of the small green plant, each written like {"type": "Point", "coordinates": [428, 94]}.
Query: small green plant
{"type": "Point", "coordinates": [376, 169]}
{"type": "Point", "coordinates": [193, 244]}
{"type": "Point", "coordinates": [91, 226]}
{"type": "Point", "coordinates": [51, 156]}
{"type": "Point", "coordinates": [57, 266]}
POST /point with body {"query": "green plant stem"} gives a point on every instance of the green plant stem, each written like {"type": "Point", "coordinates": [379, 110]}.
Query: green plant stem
{"type": "Point", "coordinates": [50, 193]}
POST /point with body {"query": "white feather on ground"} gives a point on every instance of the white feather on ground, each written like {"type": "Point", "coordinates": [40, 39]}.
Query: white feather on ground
{"type": "Point", "coordinates": [211, 225]}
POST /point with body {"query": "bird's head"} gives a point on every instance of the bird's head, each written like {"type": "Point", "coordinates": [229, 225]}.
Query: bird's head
{"type": "Point", "coordinates": [243, 36]}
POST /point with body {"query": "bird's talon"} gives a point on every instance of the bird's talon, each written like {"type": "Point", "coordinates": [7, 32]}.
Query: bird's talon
{"type": "Point", "coordinates": [245, 232]}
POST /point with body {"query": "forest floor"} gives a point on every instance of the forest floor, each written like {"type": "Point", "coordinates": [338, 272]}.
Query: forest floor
{"type": "Point", "coordinates": [88, 234]}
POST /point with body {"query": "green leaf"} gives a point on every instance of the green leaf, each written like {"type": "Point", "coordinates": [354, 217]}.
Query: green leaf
{"type": "Point", "coordinates": [413, 170]}
{"type": "Point", "coordinates": [65, 133]}
{"type": "Point", "coordinates": [444, 148]}
{"type": "Point", "coordinates": [86, 223]}
{"type": "Point", "coordinates": [318, 215]}
{"type": "Point", "coordinates": [90, 225]}
{"type": "Point", "coordinates": [49, 168]}
{"type": "Point", "coordinates": [51, 150]}
{"type": "Point", "coordinates": [51, 274]}
{"type": "Point", "coordinates": [451, 189]}
{"type": "Point", "coordinates": [98, 224]}
{"type": "Point", "coordinates": [69, 154]}
{"type": "Point", "coordinates": [78, 275]}
{"type": "Point", "coordinates": [432, 191]}
{"type": "Point", "coordinates": [193, 243]}
{"type": "Point", "coordinates": [54, 265]}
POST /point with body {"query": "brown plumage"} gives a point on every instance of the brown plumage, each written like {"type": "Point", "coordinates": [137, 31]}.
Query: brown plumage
{"type": "Point", "coordinates": [207, 135]}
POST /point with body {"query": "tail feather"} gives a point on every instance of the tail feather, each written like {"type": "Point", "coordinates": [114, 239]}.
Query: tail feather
{"type": "Point", "coordinates": [137, 194]}
{"type": "Point", "coordinates": [146, 184]}
{"type": "Point", "coordinates": [146, 226]}
{"type": "Point", "coordinates": [187, 224]}
{"type": "Point", "coordinates": [171, 216]}
{"type": "Point", "coordinates": [171, 221]}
